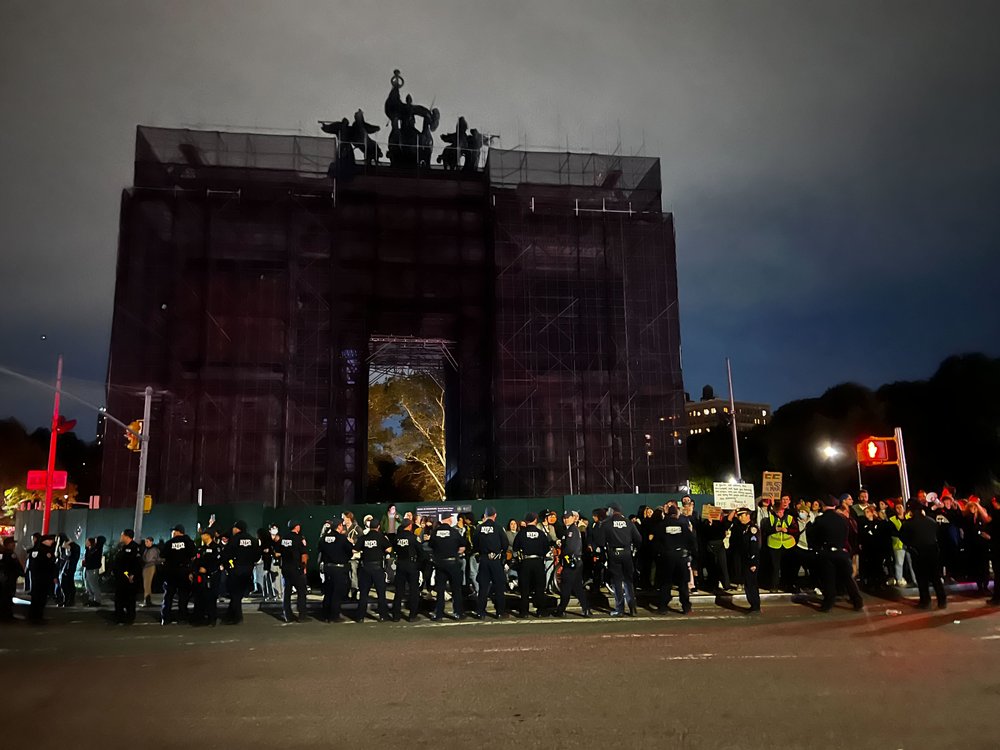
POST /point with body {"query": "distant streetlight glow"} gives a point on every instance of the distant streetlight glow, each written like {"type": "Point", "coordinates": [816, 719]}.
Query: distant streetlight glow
{"type": "Point", "coordinates": [829, 452]}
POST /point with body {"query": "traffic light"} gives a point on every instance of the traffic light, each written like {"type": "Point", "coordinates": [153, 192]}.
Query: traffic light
{"type": "Point", "coordinates": [134, 444]}
{"type": "Point", "coordinates": [876, 451]}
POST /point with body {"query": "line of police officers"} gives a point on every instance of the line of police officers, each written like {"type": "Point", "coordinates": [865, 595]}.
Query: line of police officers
{"type": "Point", "coordinates": [196, 571]}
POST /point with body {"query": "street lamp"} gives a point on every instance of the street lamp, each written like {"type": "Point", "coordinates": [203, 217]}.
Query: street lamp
{"type": "Point", "coordinates": [829, 452]}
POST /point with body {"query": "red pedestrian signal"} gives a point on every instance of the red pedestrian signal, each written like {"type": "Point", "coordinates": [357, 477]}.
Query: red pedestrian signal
{"type": "Point", "coordinates": [876, 451]}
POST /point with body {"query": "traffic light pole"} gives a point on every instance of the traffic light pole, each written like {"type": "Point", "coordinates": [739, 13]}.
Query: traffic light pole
{"type": "Point", "coordinates": [904, 477]}
{"type": "Point", "coordinates": [47, 513]}
{"type": "Point", "coordinates": [140, 495]}
{"type": "Point", "coordinates": [732, 422]}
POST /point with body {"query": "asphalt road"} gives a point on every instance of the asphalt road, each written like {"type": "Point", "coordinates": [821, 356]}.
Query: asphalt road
{"type": "Point", "coordinates": [792, 678]}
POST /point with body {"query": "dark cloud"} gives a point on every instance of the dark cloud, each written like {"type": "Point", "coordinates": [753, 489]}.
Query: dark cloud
{"type": "Point", "coordinates": [826, 162]}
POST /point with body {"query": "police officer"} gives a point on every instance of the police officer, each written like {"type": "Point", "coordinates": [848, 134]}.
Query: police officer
{"type": "Point", "coordinates": [126, 568]}
{"type": "Point", "coordinates": [10, 570]}
{"type": "Point", "coordinates": [294, 552]}
{"type": "Point", "coordinates": [615, 537]}
{"type": "Point", "coordinates": [335, 562]}
{"type": "Point", "coordinates": [42, 561]}
{"type": "Point", "coordinates": [532, 544]}
{"type": "Point", "coordinates": [205, 573]}
{"type": "Point", "coordinates": [239, 555]}
{"type": "Point", "coordinates": [828, 537]}
{"type": "Point", "coordinates": [745, 544]}
{"type": "Point", "coordinates": [447, 545]}
{"type": "Point", "coordinates": [920, 534]}
{"type": "Point", "coordinates": [490, 543]}
{"type": "Point", "coordinates": [572, 565]}
{"type": "Point", "coordinates": [673, 541]}
{"type": "Point", "coordinates": [373, 546]}
{"type": "Point", "coordinates": [408, 552]}
{"type": "Point", "coordinates": [178, 553]}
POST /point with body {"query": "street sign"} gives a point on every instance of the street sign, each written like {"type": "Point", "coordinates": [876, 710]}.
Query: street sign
{"type": "Point", "coordinates": [36, 480]}
{"type": "Point", "coordinates": [731, 496]}
{"type": "Point", "coordinates": [771, 486]}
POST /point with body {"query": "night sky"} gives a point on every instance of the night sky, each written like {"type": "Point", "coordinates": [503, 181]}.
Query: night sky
{"type": "Point", "coordinates": [833, 168]}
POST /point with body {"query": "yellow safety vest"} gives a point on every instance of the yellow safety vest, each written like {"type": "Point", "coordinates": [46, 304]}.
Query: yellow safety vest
{"type": "Point", "coordinates": [779, 532]}
{"type": "Point", "coordinates": [897, 543]}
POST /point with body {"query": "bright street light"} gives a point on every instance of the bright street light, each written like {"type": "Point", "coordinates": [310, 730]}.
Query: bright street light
{"type": "Point", "coordinates": [829, 451]}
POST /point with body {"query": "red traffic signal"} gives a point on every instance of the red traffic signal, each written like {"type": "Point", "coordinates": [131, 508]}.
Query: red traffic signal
{"type": "Point", "coordinates": [875, 451]}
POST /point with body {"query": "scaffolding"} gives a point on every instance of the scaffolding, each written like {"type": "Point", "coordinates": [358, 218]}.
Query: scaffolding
{"type": "Point", "coordinates": [259, 292]}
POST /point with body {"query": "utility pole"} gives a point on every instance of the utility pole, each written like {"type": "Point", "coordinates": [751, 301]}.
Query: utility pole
{"type": "Point", "coordinates": [47, 515]}
{"type": "Point", "coordinates": [904, 477]}
{"type": "Point", "coordinates": [732, 422]}
{"type": "Point", "coordinates": [140, 495]}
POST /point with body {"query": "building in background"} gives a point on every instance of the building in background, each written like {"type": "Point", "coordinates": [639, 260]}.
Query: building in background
{"type": "Point", "coordinates": [711, 413]}
{"type": "Point", "coordinates": [261, 286]}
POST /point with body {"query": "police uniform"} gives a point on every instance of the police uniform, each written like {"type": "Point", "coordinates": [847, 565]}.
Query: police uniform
{"type": "Point", "coordinates": [10, 571]}
{"type": "Point", "coordinates": [446, 541]}
{"type": "Point", "coordinates": [335, 561]}
{"type": "Point", "coordinates": [178, 552]}
{"type": "Point", "coordinates": [126, 569]}
{"type": "Point", "coordinates": [239, 556]}
{"type": "Point", "coordinates": [673, 541]}
{"type": "Point", "coordinates": [373, 546]}
{"type": "Point", "coordinates": [745, 543]}
{"type": "Point", "coordinates": [615, 537]}
{"type": "Point", "coordinates": [408, 552]}
{"type": "Point", "coordinates": [490, 543]}
{"type": "Point", "coordinates": [205, 569]}
{"type": "Point", "coordinates": [42, 560]}
{"type": "Point", "coordinates": [532, 544]}
{"type": "Point", "coordinates": [828, 537]}
{"type": "Point", "coordinates": [571, 583]}
{"type": "Point", "coordinates": [292, 547]}
{"type": "Point", "coordinates": [920, 534]}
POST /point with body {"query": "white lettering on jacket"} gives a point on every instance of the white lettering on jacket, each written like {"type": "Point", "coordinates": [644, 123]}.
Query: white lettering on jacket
{"type": "Point", "coordinates": [619, 524]}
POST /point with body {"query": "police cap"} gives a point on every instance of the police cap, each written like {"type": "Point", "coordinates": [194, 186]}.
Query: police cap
{"type": "Point", "coordinates": [240, 525]}
{"type": "Point", "coordinates": [490, 511]}
{"type": "Point", "coordinates": [569, 513]}
{"type": "Point", "coordinates": [179, 527]}
{"type": "Point", "coordinates": [741, 511]}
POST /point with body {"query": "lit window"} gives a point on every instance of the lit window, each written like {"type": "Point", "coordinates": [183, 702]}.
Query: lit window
{"type": "Point", "coordinates": [705, 412]}
{"type": "Point", "coordinates": [763, 412]}
{"type": "Point", "coordinates": [725, 409]}
{"type": "Point", "coordinates": [713, 410]}
{"type": "Point", "coordinates": [708, 429]}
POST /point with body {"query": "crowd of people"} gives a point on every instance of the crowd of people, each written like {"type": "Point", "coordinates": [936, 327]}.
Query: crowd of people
{"type": "Point", "coordinates": [828, 548]}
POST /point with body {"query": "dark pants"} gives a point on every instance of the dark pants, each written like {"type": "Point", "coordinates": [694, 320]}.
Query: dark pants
{"type": "Point", "coordinates": [927, 566]}
{"type": "Point", "coordinates": [206, 601]}
{"type": "Point", "coordinates": [779, 572]}
{"type": "Point", "coordinates": [67, 589]}
{"type": "Point", "coordinates": [371, 574]}
{"type": "Point", "coordinates": [571, 584]}
{"type": "Point", "coordinates": [175, 583]}
{"type": "Point", "coordinates": [620, 571]}
{"type": "Point", "coordinates": [836, 571]}
{"type": "Point", "coordinates": [448, 574]}
{"type": "Point", "coordinates": [751, 590]}
{"type": "Point", "coordinates": [336, 588]}
{"type": "Point", "coordinates": [531, 582]}
{"type": "Point", "coordinates": [407, 579]}
{"type": "Point", "coordinates": [672, 567]}
{"type": "Point", "coordinates": [995, 558]}
{"type": "Point", "coordinates": [717, 563]}
{"type": "Point", "coordinates": [40, 587]}
{"type": "Point", "coordinates": [239, 580]}
{"type": "Point", "coordinates": [7, 591]}
{"type": "Point", "coordinates": [491, 578]}
{"type": "Point", "coordinates": [293, 578]}
{"type": "Point", "coordinates": [125, 592]}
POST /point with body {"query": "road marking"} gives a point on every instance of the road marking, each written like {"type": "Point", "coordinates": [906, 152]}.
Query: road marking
{"type": "Point", "coordinates": [568, 621]}
{"type": "Point", "coordinates": [639, 635]}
